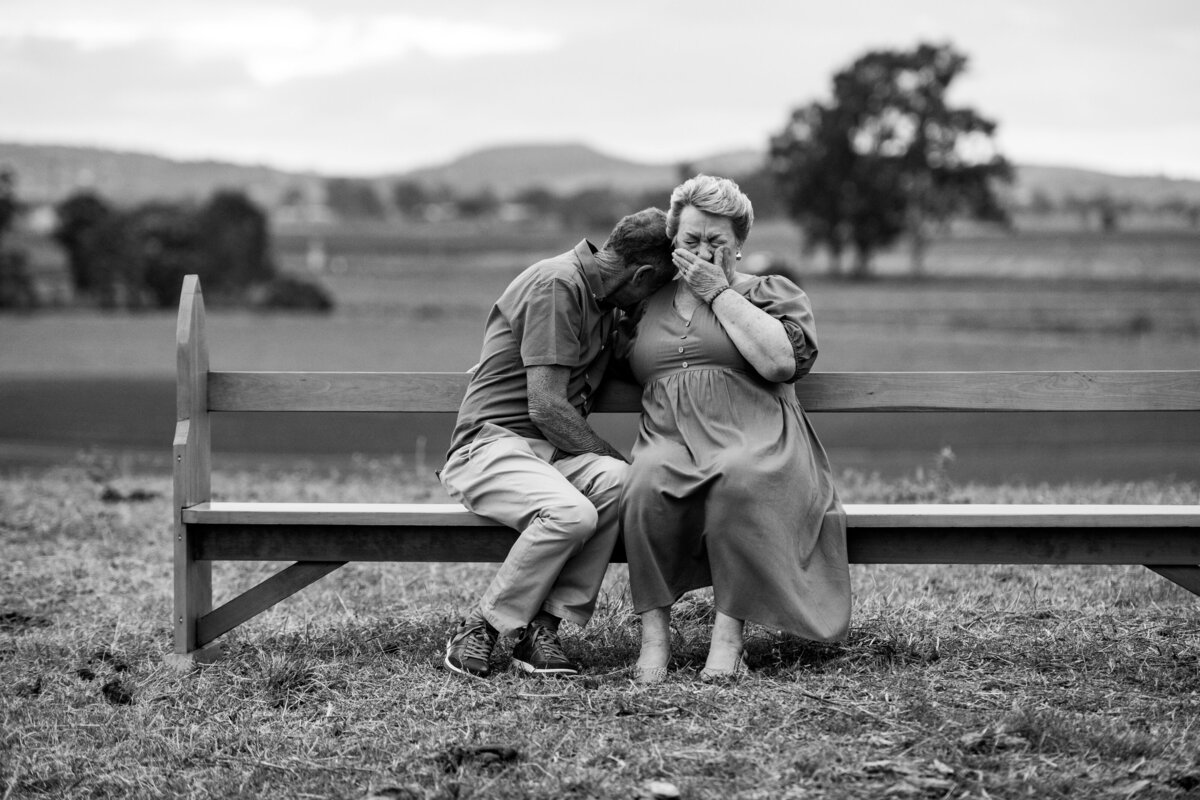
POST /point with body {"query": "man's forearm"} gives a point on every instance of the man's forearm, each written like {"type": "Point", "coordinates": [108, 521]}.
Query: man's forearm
{"type": "Point", "coordinates": [566, 429]}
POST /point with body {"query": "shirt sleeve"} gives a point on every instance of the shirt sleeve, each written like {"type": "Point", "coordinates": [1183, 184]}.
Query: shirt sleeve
{"type": "Point", "coordinates": [787, 302]}
{"type": "Point", "coordinates": [548, 325]}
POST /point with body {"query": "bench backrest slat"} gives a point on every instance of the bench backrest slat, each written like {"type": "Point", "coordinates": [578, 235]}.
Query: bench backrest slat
{"type": "Point", "coordinates": [1176, 390]}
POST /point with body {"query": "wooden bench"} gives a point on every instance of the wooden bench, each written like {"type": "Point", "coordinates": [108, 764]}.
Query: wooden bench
{"type": "Point", "coordinates": [320, 537]}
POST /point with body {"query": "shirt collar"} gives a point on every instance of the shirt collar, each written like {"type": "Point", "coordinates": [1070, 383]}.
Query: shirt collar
{"type": "Point", "coordinates": [585, 251]}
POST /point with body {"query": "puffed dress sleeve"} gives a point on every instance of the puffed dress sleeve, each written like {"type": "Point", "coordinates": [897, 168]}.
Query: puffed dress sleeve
{"type": "Point", "coordinates": [787, 302]}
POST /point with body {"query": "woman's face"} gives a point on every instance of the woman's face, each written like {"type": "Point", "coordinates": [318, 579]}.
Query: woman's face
{"type": "Point", "coordinates": [703, 234]}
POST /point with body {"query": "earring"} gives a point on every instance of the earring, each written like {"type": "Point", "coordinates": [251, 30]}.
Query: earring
{"type": "Point", "coordinates": [738, 256]}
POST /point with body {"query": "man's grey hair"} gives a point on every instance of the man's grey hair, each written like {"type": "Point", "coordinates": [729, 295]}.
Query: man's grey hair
{"type": "Point", "coordinates": [641, 238]}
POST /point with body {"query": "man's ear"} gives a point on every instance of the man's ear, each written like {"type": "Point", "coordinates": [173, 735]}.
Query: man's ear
{"type": "Point", "coordinates": [643, 273]}
{"type": "Point", "coordinates": [646, 274]}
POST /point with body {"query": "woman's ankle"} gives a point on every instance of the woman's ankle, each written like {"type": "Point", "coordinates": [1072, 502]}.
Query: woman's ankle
{"type": "Point", "coordinates": [656, 638]}
{"type": "Point", "coordinates": [725, 649]}
{"type": "Point", "coordinates": [654, 653]}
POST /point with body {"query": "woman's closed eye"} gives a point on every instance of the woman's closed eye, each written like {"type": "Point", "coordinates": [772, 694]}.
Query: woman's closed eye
{"type": "Point", "coordinates": [714, 243]}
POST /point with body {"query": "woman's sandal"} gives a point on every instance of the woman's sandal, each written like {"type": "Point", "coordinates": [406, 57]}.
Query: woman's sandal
{"type": "Point", "coordinates": [740, 670]}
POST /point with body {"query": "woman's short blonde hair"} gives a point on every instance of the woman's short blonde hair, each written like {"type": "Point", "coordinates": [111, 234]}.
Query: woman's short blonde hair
{"type": "Point", "coordinates": [719, 196]}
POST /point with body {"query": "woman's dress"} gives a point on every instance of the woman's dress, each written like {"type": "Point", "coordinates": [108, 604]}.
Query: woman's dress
{"type": "Point", "coordinates": [729, 486]}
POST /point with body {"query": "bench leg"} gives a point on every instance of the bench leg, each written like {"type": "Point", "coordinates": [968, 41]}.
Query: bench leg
{"type": "Point", "coordinates": [1186, 576]}
{"type": "Point", "coordinates": [183, 662]}
{"type": "Point", "coordinates": [193, 599]}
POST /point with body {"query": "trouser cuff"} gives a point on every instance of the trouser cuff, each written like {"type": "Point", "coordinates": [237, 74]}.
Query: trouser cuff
{"type": "Point", "coordinates": [562, 612]}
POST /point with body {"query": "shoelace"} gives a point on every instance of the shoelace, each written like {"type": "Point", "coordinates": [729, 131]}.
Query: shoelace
{"type": "Point", "coordinates": [547, 641]}
{"type": "Point", "coordinates": [478, 643]}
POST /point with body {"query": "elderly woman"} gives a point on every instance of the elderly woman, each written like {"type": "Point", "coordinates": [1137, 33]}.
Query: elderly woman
{"type": "Point", "coordinates": [729, 486]}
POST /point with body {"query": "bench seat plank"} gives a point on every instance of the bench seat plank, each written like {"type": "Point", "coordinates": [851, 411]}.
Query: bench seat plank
{"type": "Point", "coordinates": [858, 515]}
{"type": "Point", "coordinates": [878, 534]}
{"type": "Point", "coordinates": [415, 514]}
{"type": "Point", "coordinates": [969, 516]}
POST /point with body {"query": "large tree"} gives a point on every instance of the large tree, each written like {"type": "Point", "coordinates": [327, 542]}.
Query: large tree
{"type": "Point", "coordinates": [888, 155]}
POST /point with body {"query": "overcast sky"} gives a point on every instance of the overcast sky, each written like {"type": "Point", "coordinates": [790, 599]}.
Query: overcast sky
{"type": "Point", "coordinates": [363, 86]}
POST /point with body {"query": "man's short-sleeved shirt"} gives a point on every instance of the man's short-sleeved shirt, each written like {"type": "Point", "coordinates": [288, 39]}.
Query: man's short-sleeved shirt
{"type": "Point", "coordinates": [549, 315]}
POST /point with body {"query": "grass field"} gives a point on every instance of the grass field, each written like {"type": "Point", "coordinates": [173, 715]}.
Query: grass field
{"type": "Point", "coordinates": [955, 682]}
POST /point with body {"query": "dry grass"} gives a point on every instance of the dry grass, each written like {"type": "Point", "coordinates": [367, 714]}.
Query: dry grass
{"type": "Point", "coordinates": [955, 681]}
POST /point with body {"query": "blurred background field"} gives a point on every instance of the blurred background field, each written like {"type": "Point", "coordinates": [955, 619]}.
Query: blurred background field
{"type": "Point", "coordinates": [414, 297]}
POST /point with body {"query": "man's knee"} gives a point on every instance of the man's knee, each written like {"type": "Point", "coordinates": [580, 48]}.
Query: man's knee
{"type": "Point", "coordinates": [575, 522]}
{"type": "Point", "coordinates": [609, 478]}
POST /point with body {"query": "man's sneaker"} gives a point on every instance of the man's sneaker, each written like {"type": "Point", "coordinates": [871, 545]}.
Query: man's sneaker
{"type": "Point", "coordinates": [538, 651]}
{"type": "Point", "coordinates": [469, 651]}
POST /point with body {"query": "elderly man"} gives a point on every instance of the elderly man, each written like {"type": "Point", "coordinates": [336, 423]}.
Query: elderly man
{"type": "Point", "coordinates": [524, 455]}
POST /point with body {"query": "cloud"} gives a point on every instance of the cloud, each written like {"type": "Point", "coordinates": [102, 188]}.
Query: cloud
{"type": "Point", "coordinates": [275, 43]}
{"type": "Point", "coordinates": [363, 85]}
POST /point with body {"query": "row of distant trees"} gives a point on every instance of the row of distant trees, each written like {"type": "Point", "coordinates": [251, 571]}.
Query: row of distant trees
{"type": "Point", "coordinates": [137, 257]}
{"type": "Point", "coordinates": [1107, 212]}
{"type": "Point", "coordinates": [413, 200]}
{"type": "Point", "coordinates": [16, 285]}
{"type": "Point", "coordinates": [591, 207]}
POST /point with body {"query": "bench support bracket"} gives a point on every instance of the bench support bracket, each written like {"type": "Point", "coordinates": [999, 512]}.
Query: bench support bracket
{"type": "Point", "coordinates": [254, 601]}
{"type": "Point", "coordinates": [1186, 576]}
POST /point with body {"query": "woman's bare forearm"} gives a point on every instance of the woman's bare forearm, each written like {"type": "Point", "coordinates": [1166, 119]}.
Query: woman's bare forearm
{"type": "Point", "coordinates": [759, 337]}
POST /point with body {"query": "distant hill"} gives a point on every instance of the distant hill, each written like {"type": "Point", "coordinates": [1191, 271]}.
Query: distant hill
{"type": "Point", "coordinates": [558, 167]}
{"type": "Point", "coordinates": [573, 166]}
{"type": "Point", "coordinates": [565, 168]}
{"type": "Point", "coordinates": [48, 173]}
{"type": "Point", "coordinates": [1060, 182]}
